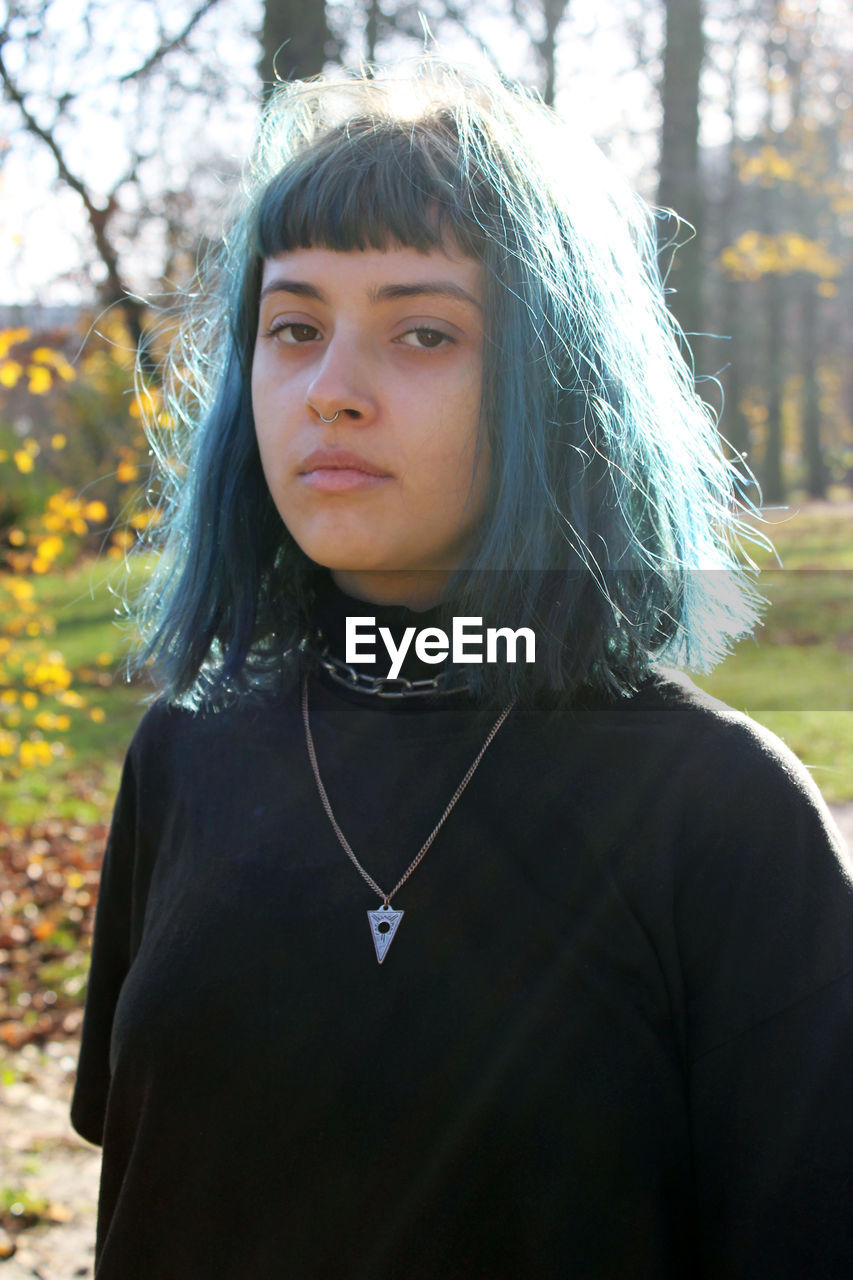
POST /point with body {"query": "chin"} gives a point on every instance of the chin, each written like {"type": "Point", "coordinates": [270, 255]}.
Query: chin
{"type": "Point", "coordinates": [347, 561]}
{"type": "Point", "coordinates": [345, 554]}
{"type": "Point", "coordinates": [334, 545]}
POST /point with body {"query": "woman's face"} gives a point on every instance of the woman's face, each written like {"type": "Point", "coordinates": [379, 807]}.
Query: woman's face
{"type": "Point", "coordinates": [389, 344]}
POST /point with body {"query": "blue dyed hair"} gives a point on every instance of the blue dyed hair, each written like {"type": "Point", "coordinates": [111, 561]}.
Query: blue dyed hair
{"type": "Point", "coordinates": [611, 525]}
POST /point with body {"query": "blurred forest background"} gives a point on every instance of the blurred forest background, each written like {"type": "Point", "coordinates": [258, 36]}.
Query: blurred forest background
{"type": "Point", "coordinates": [122, 130]}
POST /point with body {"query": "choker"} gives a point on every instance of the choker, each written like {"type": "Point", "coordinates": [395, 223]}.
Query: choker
{"type": "Point", "coordinates": [451, 681]}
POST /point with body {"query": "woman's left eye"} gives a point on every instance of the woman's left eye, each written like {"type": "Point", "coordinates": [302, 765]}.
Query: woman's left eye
{"type": "Point", "coordinates": [425, 339]}
{"type": "Point", "coordinates": [292, 333]}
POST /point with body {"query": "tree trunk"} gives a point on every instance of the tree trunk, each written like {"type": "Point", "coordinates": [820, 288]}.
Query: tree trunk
{"type": "Point", "coordinates": [680, 185]}
{"type": "Point", "coordinates": [553, 12]}
{"type": "Point", "coordinates": [735, 425]}
{"type": "Point", "coordinates": [295, 41]}
{"type": "Point", "coordinates": [772, 481]}
{"type": "Point", "coordinates": [816, 477]}
{"type": "Point", "coordinates": [805, 207]}
{"type": "Point", "coordinates": [371, 29]}
{"type": "Point", "coordinates": [776, 298]}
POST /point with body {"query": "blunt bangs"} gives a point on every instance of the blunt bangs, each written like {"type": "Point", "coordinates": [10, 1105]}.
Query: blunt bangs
{"type": "Point", "coordinates": [370, 184]}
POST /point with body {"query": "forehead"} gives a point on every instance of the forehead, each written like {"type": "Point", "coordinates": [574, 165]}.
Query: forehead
{"type": "Point", "coordinates": [367, 271]}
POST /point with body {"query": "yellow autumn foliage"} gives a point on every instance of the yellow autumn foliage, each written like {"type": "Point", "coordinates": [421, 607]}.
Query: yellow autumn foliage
{"type": "Point", "coordinates": [51, 547]}
{"type": "Point", "coordinates": [145, 402]}
{"type": "Point", "coordinates": [50, 675]}
{"type": "Point", "coordinates": [768, 167]}
{"type": "Point", "coordinates": [19, 589]}
{"type": "Point", "coordinates": [35, 752]}
{"type": "Point", "coordinates": [10, 338]}
{"type": "Point", "coordinates": [145, 519]}
{"type": "Point", "coordinates": [39, 380]}
{"type": "Point", "coordinates": [754, 255]}
{"type": "Point", "coordinates": [126, 472]}
{"type": "Point", "coordinates": [56, 360]}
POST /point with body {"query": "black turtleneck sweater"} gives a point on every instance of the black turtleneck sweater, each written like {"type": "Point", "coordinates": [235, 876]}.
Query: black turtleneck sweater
{"type": "Point", "coordinates": [611, 1040]}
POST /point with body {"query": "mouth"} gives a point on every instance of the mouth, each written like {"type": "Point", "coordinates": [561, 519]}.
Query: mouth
{"type": "Point", "coordinates": [339, 471]}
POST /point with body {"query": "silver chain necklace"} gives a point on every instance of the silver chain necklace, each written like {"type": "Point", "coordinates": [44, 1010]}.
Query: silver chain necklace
{"type": "Point", "coordinates": [396, 687]}
{"type": "Point", "coordinates": [384, 921]}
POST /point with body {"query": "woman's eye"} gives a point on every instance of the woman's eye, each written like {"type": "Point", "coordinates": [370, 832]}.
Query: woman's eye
{"type": "Point", "coordinates": [293, 333]}
{"type": "Point", "coordinates": [426, 339]}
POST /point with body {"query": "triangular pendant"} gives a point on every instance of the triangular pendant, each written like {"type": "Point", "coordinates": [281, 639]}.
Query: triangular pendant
{"type": "Point", "coordinates": [383, 926]}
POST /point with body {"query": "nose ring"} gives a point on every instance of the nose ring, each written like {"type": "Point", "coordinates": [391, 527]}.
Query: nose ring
{"type": "Point", "coordinates": [333, 418]}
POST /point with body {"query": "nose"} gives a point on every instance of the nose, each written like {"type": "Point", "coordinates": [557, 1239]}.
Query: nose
{"type": "Point", "coordinates": [342, 381]}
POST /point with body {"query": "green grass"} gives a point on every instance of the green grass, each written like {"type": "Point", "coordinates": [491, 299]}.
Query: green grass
{"type": "Point", "coordinates": [819, 535]}
{"type": "Point", "coordinates": [795, 676]}
{"type": "Point", "coordinates": [85, 604]}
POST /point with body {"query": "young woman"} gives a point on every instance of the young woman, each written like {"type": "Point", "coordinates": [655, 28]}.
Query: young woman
{"type": "Point", "coordinates": [435, 952]}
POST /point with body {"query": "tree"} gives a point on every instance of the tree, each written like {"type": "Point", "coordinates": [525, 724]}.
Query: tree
{"type": "Point", "coordinates": [541, 23]}
{"type": "Point", "coordinates": [785, 254]}
{"type": "Point", "coordinates": [680, 185]}
{"type": "Point", "coordinates": [56, 78]}
{"type": "Point", "coordinates": [296, 41]}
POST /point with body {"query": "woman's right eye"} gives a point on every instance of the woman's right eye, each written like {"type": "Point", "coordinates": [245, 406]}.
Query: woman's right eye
{"type": "Point", "coordinates": [293, 333]}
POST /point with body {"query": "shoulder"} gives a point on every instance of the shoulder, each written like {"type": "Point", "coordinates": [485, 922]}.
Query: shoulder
{"type": "Point", "coordinates": [163, 732]}
{"type": "Point", "coordinates": [719, 753]}
{"type": "Point", "coordinates": [171, 731]}
{"type": "Point", "coordinates": [753, 777]}
{"type": "Point", "coordinates": [761, 881]}
{"type": "Point", "coordinates": [719, 842]}
{"type": "Point", "coordinates": [740, 804]}
{"type": "Point", "coordinates": [672, 744]}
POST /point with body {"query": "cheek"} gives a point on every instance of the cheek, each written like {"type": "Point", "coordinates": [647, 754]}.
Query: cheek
{"type": "Point", "coordinates": [260, 388]}
{"type": "Point", "coordinates": [444, 446]}
{"type": "Point", "coordinates": [267, 417]}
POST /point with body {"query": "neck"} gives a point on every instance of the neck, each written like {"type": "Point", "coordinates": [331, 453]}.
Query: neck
{"type": "Point", "coordinates": [389, 644]}
{"type": "Point", "coordinates": [418, 590]}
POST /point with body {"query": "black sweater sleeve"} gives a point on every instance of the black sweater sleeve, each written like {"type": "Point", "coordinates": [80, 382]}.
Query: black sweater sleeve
{"type": "Point", "coordinates": [110, 962]}
{"type": "Point", "coordinates": [767, 949]}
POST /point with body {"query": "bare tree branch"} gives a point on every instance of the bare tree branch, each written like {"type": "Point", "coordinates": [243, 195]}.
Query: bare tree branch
{"type": "Point", "coordinates": [45, 136]}
{"type": "Point", "coordinates": [116, 290]}
{"type": "Point", "coordinates": [553, 12]}
{"type": "Point", "coordinates": [520, 17]}
{"type": "Point", "coordinates": [167, 45]}
{"type": "Point", "coordinates": [457, 15]}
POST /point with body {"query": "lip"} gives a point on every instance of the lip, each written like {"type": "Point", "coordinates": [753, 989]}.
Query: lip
{"type": "Point", "coordinates": [339, 471]}
{"type": "Point", "coordinates": [339, 460]}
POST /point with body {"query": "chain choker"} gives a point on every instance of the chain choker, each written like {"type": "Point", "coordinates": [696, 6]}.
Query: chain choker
{"type": "Point", "coordinates": [454, 680]}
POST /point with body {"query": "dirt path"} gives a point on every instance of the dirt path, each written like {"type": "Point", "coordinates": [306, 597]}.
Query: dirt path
{"type": "Point", "coordinates": [42, 1157]}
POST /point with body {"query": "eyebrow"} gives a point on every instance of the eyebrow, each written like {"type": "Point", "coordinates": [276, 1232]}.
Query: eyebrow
{"type": "Point", "coordinates": [385, 292]}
